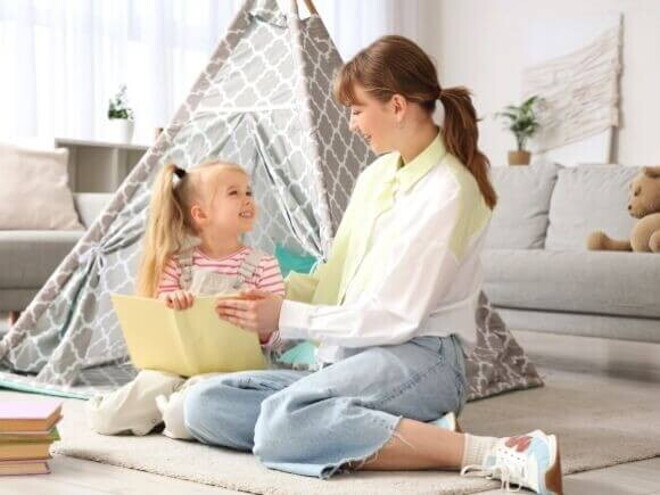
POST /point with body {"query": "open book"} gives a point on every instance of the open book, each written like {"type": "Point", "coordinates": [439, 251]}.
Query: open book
{"type": "Point", "coordinates": [186, 342]}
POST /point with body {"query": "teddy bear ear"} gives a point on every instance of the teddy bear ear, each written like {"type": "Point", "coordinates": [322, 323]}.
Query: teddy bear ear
{"type": "Point", "coordinates": [652, 172]}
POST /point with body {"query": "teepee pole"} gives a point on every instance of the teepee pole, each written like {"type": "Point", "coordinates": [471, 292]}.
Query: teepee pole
{"type": "Point", "coordinates": [310, 6]}
{"type": "Point", "coordinates": [293, 6]}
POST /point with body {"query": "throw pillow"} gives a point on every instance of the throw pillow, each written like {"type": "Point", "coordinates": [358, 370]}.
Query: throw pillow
{"type": "Point", "coordinates": [291, 261]}
{"type": "Point", "coordinates": [34, 191]}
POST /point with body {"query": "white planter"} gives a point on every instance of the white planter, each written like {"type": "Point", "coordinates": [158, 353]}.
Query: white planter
{"type": "Point", "coordinates": [120, 130]}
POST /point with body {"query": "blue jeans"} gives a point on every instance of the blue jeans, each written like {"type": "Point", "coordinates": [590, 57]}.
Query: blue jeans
{"type": "Point", "coordinates": [314, 423]}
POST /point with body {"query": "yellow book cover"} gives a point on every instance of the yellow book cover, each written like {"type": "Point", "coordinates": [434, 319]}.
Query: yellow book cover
{"type": "Point", "coordinates": [186, 342]}
{"type": "Point", "coordinates": [12, 468]}
{"type": "Point", "coordinates": [21, 451]}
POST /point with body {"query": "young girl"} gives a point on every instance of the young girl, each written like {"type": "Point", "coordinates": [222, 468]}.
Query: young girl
{"type": "Point", "coordinates": [192, 247]}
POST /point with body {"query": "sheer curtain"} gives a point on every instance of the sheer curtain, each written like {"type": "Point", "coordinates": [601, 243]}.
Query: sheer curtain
{"type": "Point", "coordinates": [62, 60]}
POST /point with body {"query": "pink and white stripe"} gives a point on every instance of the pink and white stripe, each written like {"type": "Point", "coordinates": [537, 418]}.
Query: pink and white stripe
{"type": "Point", "coordinates": [267, 277]}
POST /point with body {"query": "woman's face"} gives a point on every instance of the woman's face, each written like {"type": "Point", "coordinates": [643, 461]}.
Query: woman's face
{"type": "Point", "coordinates": [373, 120]}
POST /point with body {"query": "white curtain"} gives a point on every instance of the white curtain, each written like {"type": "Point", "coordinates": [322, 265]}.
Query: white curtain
{"type": "Point", "coordinates": [62, 60]}
{"type": "Point", "coordinates": [353, 24]}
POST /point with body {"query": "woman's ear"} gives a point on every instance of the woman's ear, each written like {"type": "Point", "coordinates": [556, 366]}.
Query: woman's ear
{"type": "Point", "coordinates": [399, 105]}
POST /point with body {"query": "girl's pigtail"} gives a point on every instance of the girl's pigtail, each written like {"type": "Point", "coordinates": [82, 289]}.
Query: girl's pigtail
{"type": "Point", "coordinates": [166, 229]}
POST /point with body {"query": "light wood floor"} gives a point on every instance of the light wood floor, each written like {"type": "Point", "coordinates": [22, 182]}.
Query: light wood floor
{"type": "Point", "coordinates": [634, 361]}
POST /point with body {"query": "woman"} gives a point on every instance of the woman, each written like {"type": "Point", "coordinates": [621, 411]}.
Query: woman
{"type": "Point", "coordinates": [392, 309]}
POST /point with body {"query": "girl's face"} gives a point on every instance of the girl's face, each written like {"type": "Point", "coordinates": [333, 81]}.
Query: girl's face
{"type": "Point", "coordinates": [231, 211]}
{"type": "Point", "coordinates": [373, 120]}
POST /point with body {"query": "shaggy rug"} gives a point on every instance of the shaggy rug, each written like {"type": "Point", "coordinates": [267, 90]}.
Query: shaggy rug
{"type": "Point", "coordinates": [599, 421]}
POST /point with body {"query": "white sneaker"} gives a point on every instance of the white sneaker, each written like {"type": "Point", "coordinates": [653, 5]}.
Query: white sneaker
{"type": "Point", "coordinates": [172, 410]}
{"type": "Point", "coordinates": [161, 403]}
{"type": "Point", "coordinates": [448, 422]}
{"type": "Point", "coordinates": [528, 461]}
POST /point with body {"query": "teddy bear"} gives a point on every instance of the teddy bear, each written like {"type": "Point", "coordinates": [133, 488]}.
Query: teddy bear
{"type": "Point", "coordinates": [644, 204]}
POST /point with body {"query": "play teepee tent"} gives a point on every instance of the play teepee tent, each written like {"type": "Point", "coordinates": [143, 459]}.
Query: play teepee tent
{"type": "Point", "coordinates": [263, 101]}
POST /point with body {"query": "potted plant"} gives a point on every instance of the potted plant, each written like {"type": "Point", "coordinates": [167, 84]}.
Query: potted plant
{"type": "Point", "coordinates": [522, 121]}
{"type": "Point", "coordinates": [120, 116]}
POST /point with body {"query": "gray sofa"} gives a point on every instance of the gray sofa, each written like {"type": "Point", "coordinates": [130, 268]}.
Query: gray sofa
{"type": "Point", "coordinates": [537, 269]}
{"type": "Point", "coordinates": [28, 257]}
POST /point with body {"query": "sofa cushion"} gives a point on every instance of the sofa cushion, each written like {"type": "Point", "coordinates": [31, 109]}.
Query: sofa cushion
{"type": "Point", "coordinates": [34, 191]}
{"type": "Point", "coordinates": [520, 218]}
{"type": "Point", "coordinates": [588, 198]}
{"type": "Point", "coordinates": [90, 205]}
{"type": "Point", "coordinates": [27, 258]}
{"type": "Point", "coordinates": [610, 283]}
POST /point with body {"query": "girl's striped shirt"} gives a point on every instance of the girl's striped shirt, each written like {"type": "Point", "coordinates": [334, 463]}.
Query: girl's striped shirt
{"type": "Point", "coordinates": [267, 276]}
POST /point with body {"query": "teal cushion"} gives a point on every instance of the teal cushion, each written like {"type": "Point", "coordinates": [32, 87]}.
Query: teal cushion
{"type": "Point", "coordinates": [304, 353]}
{"type": "Point", "coordinates": [291, 261]}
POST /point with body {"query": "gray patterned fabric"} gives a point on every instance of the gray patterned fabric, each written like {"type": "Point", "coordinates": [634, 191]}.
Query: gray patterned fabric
{"type": "Point", "coordinates": [263, 101]}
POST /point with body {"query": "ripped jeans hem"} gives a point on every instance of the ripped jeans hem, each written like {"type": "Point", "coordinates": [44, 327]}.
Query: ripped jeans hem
{"type": "Point", "coordinates": [355, 464]}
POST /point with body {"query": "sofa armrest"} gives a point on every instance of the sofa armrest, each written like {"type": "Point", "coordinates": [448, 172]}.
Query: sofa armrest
{"type": "Point", "coordinates": [90, 205]}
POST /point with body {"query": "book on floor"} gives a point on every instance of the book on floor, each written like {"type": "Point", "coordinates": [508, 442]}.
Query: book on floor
{"type": "Point", "coordinates": [19, 451]}
{"type": "Point", "coordinates": [189, 342]}
{"type": "Point", "coordinates": [29, 436]}
{"type": "Point", "coordinates": [13, 468]}
{"type": "Point", "coordinates": [29, 416]}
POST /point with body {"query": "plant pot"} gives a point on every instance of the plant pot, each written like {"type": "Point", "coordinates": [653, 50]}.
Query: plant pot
{"type": "Point", "coordinates": [120, 130]}
{"type": "Point", "coordinates": [519, 157]}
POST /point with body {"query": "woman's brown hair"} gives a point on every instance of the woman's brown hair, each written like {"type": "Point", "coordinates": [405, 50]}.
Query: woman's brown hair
{"type": "Point", "coordinates": [396, 65]}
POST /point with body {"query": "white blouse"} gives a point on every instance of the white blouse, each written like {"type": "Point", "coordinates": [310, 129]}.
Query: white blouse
{"type": "Point", "coordinates": [409, 255]}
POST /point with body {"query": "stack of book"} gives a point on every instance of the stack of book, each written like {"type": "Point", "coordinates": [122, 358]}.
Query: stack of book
{"type": "Point", "coordinates": [27, 429]}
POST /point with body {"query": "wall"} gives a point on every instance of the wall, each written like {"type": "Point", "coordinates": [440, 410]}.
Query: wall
{"type": "Point", "coordinates": [480, 44]}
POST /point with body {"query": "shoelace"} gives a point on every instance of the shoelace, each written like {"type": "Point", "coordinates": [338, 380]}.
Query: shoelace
{"type": "Point", "coordinates": [498, 471]}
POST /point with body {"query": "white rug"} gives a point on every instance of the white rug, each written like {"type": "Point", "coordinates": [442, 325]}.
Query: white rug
{"type": "Point", "coordinates": [600, 422]}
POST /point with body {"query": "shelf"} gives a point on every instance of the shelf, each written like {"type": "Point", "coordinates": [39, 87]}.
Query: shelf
{"type": "Point", "coordinates": [101, 144]}
{"type": "Point", "coordinates": [99, 166]}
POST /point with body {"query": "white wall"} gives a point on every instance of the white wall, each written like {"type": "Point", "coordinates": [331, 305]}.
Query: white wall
{"type": "Point", "coordinates": [480, 44]}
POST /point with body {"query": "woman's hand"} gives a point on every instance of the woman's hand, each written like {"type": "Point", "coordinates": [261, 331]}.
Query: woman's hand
{"type": "Point", "coordinates": [179, 299]}
{"type": "Point", "coordinates": [254, 310]}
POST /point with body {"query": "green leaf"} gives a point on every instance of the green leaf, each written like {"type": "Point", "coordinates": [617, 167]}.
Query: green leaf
{"type": "Point", "coordinates": [521, 119]}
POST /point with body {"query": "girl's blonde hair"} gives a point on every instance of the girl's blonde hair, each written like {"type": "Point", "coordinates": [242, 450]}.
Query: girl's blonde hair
{"type": "Point", "coordinates": [395, 65]}
{"type": "Point", "coordinates": [169, 222]}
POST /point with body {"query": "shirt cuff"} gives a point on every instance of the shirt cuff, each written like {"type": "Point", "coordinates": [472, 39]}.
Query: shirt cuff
{"type": "Point", "coordinates": [273, 340]}
{"type": "Point", "coordinates": [294, 320]}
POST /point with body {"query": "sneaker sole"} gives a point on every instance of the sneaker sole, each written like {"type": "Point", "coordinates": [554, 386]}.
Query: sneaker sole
{"type": "Point", "coordinates": [455, 426]}
{"type": "Point", "coordinates": [553, 478]}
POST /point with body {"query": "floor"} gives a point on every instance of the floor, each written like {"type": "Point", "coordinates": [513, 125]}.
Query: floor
{"type": "Point", "coordinates": [634, 361]}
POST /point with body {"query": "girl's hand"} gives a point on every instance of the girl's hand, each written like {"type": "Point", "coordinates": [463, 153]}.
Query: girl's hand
{"type": "Point", "coordinates": [180, 299]}
{"type": "Point", "coordinates": [254, 310]}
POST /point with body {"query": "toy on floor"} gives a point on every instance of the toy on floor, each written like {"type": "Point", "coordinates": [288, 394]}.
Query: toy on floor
{"type": "Point", "coordinates": [644, 204]}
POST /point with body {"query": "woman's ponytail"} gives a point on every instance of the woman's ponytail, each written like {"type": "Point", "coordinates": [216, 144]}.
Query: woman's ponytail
{"type": "Point", "coordinates": [166, 229]}
{"type": "Point", "coordinates": [461, 135]}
